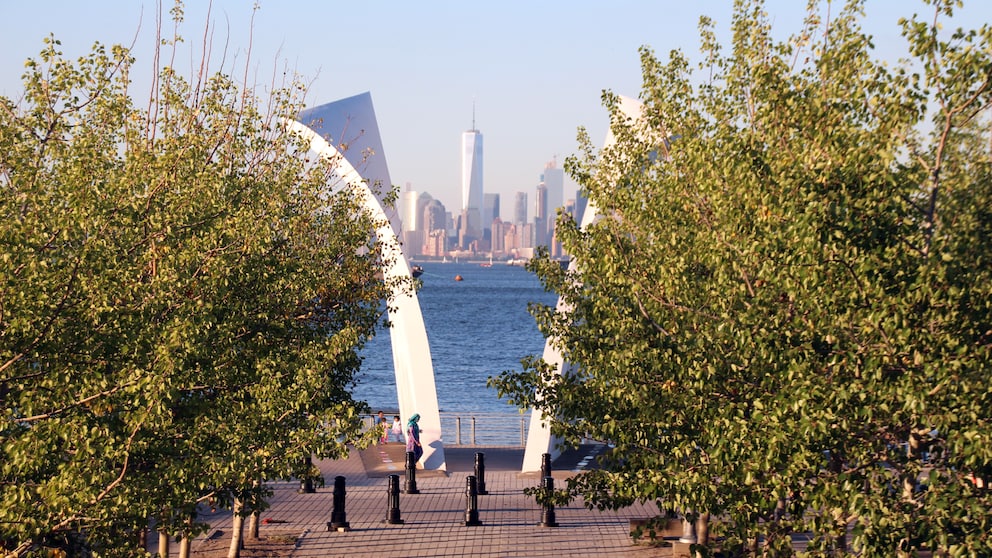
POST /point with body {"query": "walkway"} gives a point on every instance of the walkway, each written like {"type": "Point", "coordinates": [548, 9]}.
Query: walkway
{"type": "Point", "coordinates": [434, 520]}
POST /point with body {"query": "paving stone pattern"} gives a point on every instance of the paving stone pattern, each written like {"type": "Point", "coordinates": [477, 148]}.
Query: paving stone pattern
{"type": "Point", "coordinates": [434, 520]}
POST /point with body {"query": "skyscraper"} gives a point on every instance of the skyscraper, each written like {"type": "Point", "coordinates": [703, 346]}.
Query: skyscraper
{"type": "Point", "coordinates": [408, 208]}
{"type": "Point", "coordinates": [490, 210]}
{"type": "Point", "coordinates": [472, 181]}
{"type": "Point", "coordinates": [541, 216]}
{"type": "Point", "coordinates": [554, 182]}
{"type": "Point", "coordinates": [520, 208]}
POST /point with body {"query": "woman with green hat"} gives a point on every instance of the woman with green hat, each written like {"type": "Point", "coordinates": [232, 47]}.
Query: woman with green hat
{"type": "Point", "coordinates": [413, 437]}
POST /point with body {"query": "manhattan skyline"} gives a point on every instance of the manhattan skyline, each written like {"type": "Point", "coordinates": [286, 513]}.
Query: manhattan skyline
{"type": "Point", "coordinates": [533, 72]}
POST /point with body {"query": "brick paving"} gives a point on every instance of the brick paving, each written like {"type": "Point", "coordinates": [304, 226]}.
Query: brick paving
{"type": "Point", "coordinates": [434, 520]}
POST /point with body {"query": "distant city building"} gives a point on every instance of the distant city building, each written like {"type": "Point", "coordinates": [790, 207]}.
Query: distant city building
{"type": "Point", "coordinates": [490, 210]}
{"type": "Point", "coordinates": [554, 181]}
{"type": "Point", "coordinates": [520, 208]}
{"type": "Point", "coordinates": [541, 216]}
{"type": "Point", "coordinates": [435, 245]}
{"type": "Point", "coordinates": [412, 206]}
{"type": "Point", "coordinates": [434, 229]}
{"type": "Point", "coordinates": [408, 208]}
{"type": "Point", "coordinates": [472, 199]}
{"type": "Point", "coordinates": [434, 217]}
{"type": "Point", "coordinates": [498, 245]}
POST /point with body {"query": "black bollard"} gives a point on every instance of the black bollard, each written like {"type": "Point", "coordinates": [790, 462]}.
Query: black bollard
{"type": "Point", "coordinates": [480, 472]}
{"type": "Point", "coordinates": [306, 483]}
{"type": "Point", "coordinates": [339, 519]}
{"type": "Point", "coordinates": [411, 474]}
{"type": "Point", "coordinates": [548, 513]}
{"type": "Point", "coordinates": [471, 502]}
{"type": "Point", "coordinates": [545, 465]}
{"type": "Point", "coordinates": [393, 515]}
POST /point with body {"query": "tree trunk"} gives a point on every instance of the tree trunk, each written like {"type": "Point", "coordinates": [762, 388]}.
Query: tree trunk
{"type": "Point", "coordinates": [253, 522]}
{"type": "Point", "coordinates": [163, 544]}
{"type": "Point", "coordinates": [184, 547]}
{"type": "Point", "coordinates": [253, 526]}
{"type": "Point", "coordinates": [237, 530]}
{"type": "Point", "coordinates": [703, 528]}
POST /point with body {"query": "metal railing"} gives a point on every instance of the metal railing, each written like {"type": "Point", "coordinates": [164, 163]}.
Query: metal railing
{"type": "Point", "coordinates": [477, 429]}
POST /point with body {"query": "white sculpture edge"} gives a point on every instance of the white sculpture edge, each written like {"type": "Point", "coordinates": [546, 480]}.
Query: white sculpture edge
{"type": "Point", "coordinates": [416, 392]}
{"type": "Point", "coordinates": [539, 438]}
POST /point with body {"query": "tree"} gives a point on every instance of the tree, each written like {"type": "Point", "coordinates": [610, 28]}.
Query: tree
{"type": "Point", "coordinates": [183, 292]}
{"type": "Point", "coordinates": [782, 321]}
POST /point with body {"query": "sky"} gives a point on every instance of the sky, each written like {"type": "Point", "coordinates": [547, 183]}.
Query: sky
{"type": "Point", "coordinates": [527, 73]}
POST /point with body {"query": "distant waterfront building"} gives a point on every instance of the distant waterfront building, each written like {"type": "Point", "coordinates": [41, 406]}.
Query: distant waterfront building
{"type": "Point", "coordinates": [411, 213]}
{"type": "Point", "coordinates": [408, 208]}
{"type": "Point", "coordinates": [490, 210]}
{"type": "Point", "coordinates": [434, 218]}
{"type": "Point", "coordinates": [472, 199]}
{"type": "Point", "coordinates": [520, 208]}
{"type": "Point", "coordinates": [498, 246]}
{"type": "Point", "coordinates": [434, 229]}
{"type": "Point", "coordinates": [554, 181]}
{"type": "Point", "coordinates": [541, 216]}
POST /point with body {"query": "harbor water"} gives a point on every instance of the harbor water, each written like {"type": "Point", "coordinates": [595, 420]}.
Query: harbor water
{"type": "Point", "coordinates": [476, 327]}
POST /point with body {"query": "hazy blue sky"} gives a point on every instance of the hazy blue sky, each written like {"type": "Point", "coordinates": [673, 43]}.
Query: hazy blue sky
{"type": "Point", "coordinates": [534, 70]}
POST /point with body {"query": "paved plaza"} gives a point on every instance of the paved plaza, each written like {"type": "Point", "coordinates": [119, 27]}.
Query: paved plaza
{"type": "Point", "coordinates": [434, 520]}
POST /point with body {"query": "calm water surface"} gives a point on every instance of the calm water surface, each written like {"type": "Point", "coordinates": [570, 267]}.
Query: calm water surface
{"type": "Point", "coordinates": [477, 327]}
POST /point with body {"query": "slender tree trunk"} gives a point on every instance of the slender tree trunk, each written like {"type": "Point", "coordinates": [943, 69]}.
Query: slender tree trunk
{"type": "Point", "coordinates": [186, 542]}
{"type": "Point", "coordinates": [253, 526]}
{"type": "Point", "coordinates": [253, 521]}
{"type": "Point", "coordinates": [237, 530]}
{"type": "Point", "coordinates": [163, 544]}
{"type": "Point", "coordinates": [703, 528]}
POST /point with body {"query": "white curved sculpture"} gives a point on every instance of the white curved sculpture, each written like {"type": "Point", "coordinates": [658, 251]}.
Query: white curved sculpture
{"type": "Point", "coordinates": [352, 123]}
{"type": "Point", "coordinates": [539, 438]}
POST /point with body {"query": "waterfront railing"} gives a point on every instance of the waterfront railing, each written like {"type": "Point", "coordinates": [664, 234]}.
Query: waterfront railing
{"type": "Point", "coordinates": [476, 429]}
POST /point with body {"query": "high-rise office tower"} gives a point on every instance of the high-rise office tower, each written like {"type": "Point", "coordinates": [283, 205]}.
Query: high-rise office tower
{"type": "Point", "coordinates": [408, 208]}
{"type": "Point", "coordinates": [472, 201]}
{"type": "Point", "coordinates": [490, 210]}
{"type": "Point", "coordinates": [433, 217]}
{"type": "Point", "coordinates": [554, 181]}
{"type": "Point", "coordinates": [541, 216]}
{"type": "Point", "coordinates": [520, 208]}
{"type": "Point", "coordinates": [411, 211]}
{"type": "Point", "coordinates": [434, 220]}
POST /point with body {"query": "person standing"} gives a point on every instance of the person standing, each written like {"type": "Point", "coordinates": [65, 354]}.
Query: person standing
{"type": "Point", "coordinates": [397, 428]}
{"type": "Point", "coordinates": [413, 437]}
{"type": "Point", "coordinates": [383, 427]}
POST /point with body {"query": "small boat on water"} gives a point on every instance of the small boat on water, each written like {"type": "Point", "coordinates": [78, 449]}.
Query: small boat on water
{"type": "Point", "coordinates": [416, 271]}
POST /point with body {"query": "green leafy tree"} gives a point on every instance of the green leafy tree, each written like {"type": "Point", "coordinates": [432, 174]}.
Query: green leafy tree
{"type": "Point", "coordinates": [782, 320]}
{"type": "Point", "coordinates": [183, 290]}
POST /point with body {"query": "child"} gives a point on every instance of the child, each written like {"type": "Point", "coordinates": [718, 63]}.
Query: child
{"type": "Point", "coordinates": [381, 423]}
{"type": "Point", "coordinates": [397, 428]}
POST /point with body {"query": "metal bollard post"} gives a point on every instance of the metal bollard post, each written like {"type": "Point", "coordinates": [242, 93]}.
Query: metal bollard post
{"type": "Point", "coordinates": [393, 515]}
{"type": "Point", "coordinates": [473, 431]}
{"type": "Point", "coordinates": [545, 465]}
{"type": "Point", "coordinates": [339, 519]}
{"type": "Point", "coordinates": [480, 472]}
{"type": "Point", "coordinates": [306, 483]}
{"type": "Point", "coordinates": [471, 502]}
{"type": "Point", "coordinates": [411, 474]}
{"type": "Point", "coordinates": [548, 513]}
